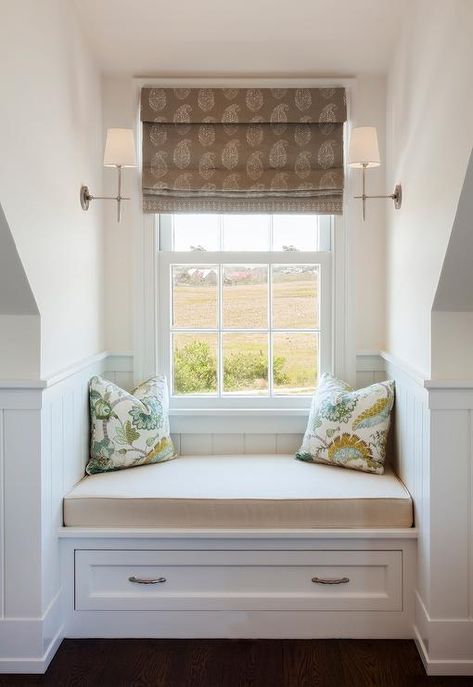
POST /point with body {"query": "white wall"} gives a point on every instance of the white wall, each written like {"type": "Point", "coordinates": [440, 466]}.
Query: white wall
{"type": "Point", "coordinates": [120, 108]}
{"type": "Point", "coordinates": [51, 143]}
{"type": "Point", "coordinates": [429, 137]}
{"type": "Point", "coordinates": [369, 109]}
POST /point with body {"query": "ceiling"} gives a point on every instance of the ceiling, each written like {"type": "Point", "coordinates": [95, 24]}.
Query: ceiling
{"type": "Point", "coordinates": [241, 38]}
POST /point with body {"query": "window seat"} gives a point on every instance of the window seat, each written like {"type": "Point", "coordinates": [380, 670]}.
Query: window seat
{"type": "Point", "coordinates": [239, 491]}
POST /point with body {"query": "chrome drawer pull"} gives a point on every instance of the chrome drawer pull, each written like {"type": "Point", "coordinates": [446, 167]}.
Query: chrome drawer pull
{"type": "Point", "coordinates": [147, 580]}
{"type": "Point", "coordinates": [330, 580]}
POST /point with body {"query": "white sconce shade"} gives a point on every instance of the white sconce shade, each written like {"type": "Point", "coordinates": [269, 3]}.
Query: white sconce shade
{"type": "Point", "coordinates": [119, 148]}
{"type": "Point", "coordinates": [364, 149]}
{"type": "Point", "coordinates": [119, 152]}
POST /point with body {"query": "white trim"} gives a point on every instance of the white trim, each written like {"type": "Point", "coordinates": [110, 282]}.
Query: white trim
{"type": "Point", "coordinates": [447, 636]}
{"type": "Point", "coordinates": [23, 384]}
{"type": "Point", "coordinates": [242, 82]}
{"type": "Point", "coordinates": [145, 306]}
{"type": "Point", "coordinates": [245, 534]}
{"type": "Point", "coordinates": [415, 375]}
{"type": "Point", "coordinates": [443, 384]}
{"type": "Point", "coordinates": [73, 369]}
{"type": "Point", "coordinates": [33, 666]}
{"type": "Point", "coordinates": [436, 667]}
{"type": "Point", "coordinates": [369, 361]}
{"type": "Point", "coordinates": [27, 645]}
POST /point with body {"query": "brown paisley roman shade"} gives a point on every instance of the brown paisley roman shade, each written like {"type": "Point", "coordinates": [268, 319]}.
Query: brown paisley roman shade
{"type": "Point", "coordinates": [243, 149]}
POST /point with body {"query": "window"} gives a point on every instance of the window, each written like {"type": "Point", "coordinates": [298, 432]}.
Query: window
{"type": "Point", "coordinates": [244, 308]}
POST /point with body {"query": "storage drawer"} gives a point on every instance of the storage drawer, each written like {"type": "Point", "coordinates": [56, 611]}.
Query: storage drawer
{"type": "Point", "coordinates": [238, 580]}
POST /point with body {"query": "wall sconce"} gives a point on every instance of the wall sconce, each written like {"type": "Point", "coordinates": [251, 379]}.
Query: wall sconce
{"type": "Point", "coordinates": [364, 153]}
{"type": "Point", "coordinates": [119, 152]}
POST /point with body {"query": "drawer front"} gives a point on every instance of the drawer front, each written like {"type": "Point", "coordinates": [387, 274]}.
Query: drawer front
{"type": "Point", "coordinates": [238, 580]}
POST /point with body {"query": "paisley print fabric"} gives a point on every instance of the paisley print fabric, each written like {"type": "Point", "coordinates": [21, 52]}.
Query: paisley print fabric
{"type": "Point", "coordinates": [348, 428]}
{"type": "Point", "coordinates": [243, 150]}
{"type": "Point", "coordinates": [128, 429]}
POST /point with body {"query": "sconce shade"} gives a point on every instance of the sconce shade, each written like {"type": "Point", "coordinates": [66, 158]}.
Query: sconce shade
{"type": "Point", "coordinates": [364, 149]}
{"type": "Point", "coordinates": [119, 148]}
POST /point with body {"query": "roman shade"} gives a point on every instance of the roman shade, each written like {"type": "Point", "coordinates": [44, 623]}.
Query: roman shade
{"type": "Point", "coordinates": [243, 149]}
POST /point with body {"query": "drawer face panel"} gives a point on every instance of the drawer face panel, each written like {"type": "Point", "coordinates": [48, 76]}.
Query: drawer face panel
{"type": "Point", "coordinates": [238, 580]}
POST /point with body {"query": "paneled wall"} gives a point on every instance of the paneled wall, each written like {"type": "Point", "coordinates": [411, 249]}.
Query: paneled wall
{"type": "Point", "coordinates": [433, 455]}
{"type": "Point", "coordinates": [44, 449]}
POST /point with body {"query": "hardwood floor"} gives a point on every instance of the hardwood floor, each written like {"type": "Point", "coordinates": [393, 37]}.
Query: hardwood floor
{"type": "Point", "coordinates": [234, 663]}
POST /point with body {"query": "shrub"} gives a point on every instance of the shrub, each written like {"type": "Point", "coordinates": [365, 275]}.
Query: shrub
{"type": "Point", "coordinates": [195, 369]}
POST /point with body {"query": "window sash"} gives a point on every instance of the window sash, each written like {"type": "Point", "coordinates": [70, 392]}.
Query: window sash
{"type": "Point", "coordinates": [164, 303]}
{"type": "Point", "coordinates": [324, 234]}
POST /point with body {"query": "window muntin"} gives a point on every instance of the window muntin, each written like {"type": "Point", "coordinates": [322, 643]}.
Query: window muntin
{"type": "Point", "coordinates": [246, 328]}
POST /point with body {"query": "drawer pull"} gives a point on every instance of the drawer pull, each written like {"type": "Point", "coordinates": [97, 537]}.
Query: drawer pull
{"type": "Point", "coordinates": [330, 580]}
{"type": "Point", "coordinates": [147, 580]}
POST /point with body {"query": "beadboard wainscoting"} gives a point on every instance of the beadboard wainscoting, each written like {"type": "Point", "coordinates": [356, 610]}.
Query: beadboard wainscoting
{"type": "Point", "coordinates": [44, 449]}
{"type": "Point", "coordinates": [432, 451]}
{"type": "Point", "coordinates": [444, 613]}
{"type": "Point", "coordinates": [44, 436]}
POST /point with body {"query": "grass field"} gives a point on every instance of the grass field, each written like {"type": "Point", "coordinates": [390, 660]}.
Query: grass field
{"type": "Point", "coordinates": [245, 306]}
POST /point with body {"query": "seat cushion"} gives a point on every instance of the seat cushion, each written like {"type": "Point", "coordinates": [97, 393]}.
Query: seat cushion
{"type": "Point", "coordinates": [244, 491]}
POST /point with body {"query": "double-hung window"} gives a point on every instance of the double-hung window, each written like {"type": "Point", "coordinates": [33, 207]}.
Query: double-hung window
{"type": "Point", "coordinates": [244, 308]}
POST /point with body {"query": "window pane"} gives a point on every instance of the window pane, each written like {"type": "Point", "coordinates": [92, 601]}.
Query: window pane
{"type": "Point", "coordinates": [295, 296]}
{"type": "Point", "coordinates": [194, 296]}
{"type": "Point", "coordinates": [245, 296]}
{"type": "Point", "coordinates": [246, 232]}
{"type": "Point", "coordinates": [245, 363]}
{"type": "Point", "coordinates": [194, 364]}
{"type": "Point", "coordinates": [295, 362]}
{"type": "Point", "coordinates": [196, 232]}
{"type": "Point", "coordinates": [295, 232]}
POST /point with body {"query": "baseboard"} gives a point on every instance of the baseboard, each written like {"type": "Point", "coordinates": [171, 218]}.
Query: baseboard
{"type": "Point", "coordinates": [444, 667]}
{"type": "Point", "coordinates": [445, 646]}
{"type": "Point", "coordinates": [34, 666]}
{"type": "Point", "coordinates": [27, 645]}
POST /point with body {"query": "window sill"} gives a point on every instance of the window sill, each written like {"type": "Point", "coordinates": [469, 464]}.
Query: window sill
{"type": "Point", "coordinates": [238, 420]}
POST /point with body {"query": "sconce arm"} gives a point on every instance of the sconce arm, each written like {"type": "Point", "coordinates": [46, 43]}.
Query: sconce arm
{"type": "Point", "coordinates": [117, 198]}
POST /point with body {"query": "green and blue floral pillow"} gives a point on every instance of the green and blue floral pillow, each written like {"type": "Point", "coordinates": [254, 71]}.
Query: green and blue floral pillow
{"type": "Point", "coordinates": [128, 429]}
{"type": "Point", "coordinates": [348, 428]}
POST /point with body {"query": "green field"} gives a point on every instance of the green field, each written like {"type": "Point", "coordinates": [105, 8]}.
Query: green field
{"type": "Point", "coordinates": [245, 355]}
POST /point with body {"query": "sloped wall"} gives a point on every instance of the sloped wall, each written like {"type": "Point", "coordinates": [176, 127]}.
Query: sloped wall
{"type": "Point", "coordinates": [452, 316]}
{"type": "Point", "coordinates": [51, 143]}
{"type": "Point", "coordinates": [19, 316]}
{"type": "Point", "coordinates": [429, 139]}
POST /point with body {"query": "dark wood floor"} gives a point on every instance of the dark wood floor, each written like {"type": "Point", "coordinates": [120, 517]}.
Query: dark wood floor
{"type": "Point", "coordinates": [234, 663]}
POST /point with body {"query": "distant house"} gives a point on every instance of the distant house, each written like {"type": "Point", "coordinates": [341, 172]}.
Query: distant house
{"type": "Point", "coordinates": [202, 276]}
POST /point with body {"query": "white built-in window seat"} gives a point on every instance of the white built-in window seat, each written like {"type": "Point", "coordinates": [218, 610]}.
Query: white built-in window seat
{"type": "Point", "coordinates": [253, 545]}
{"type": "Point", "coordinates": [239, 491]}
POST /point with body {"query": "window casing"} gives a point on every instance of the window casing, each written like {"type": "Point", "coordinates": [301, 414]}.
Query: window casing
{"type": "Point", "coordinates": [217, 265]}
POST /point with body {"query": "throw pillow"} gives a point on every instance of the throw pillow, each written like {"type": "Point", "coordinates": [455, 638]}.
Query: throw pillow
{"type": "Point", "coordinates": [348, 428]}
{"type": "Point", "coordinates": [128, 429]}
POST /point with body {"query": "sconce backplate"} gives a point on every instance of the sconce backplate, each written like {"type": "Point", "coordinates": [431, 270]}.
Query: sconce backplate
{"type": "Point", "coordinates": [84, 197]}
{"type": "Point", "coordinates": [397, 196]}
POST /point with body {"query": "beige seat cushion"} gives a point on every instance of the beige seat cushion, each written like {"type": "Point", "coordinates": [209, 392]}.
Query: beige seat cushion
{"type": "Point", "coordinates": [251, 491]}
